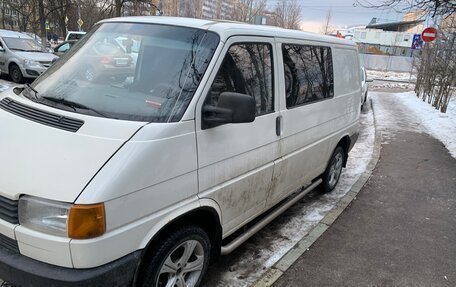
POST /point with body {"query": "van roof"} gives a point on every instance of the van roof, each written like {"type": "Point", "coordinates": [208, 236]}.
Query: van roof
{"type": "Point", "coordinates": [13, 34]}
{"type": "Point", "coordinates": [227, 29]}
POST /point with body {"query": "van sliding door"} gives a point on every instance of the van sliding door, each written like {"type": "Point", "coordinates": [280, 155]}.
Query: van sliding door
{"type": "Point", "coordinates": [306, 94]}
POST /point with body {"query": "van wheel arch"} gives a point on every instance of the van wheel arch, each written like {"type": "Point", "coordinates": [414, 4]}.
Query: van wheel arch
{"type": "Point", "coordinates": [205, 217]}
{"type": "Point", "coordinates": [344, 143]}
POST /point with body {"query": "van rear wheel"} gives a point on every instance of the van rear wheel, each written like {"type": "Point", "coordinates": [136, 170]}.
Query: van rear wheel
{"type": "Point", "coordinates": [333, 170]}
{"type": "Point", "coordinates": [181, 260]}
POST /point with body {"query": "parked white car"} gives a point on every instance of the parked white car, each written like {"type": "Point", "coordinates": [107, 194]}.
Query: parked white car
{"type": "Point", "coordinates": [140, 179]}
{"type": "Point", "coordinates": [74, 35]}
{"type": "Point", "coordinates": [21, 56]}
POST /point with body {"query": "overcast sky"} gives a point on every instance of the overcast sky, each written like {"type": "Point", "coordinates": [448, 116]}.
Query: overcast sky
{"type": "Point", "coordinates": [344, 13]}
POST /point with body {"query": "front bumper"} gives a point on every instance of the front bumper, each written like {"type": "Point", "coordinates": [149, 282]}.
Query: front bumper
{"type": "Point", "coordinates": [26, 272]}
{"type": "Point", "coordinates": [33, 72]}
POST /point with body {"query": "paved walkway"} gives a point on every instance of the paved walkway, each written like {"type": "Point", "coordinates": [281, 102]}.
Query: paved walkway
{"type": "Point", "coordinates": [401, 229]}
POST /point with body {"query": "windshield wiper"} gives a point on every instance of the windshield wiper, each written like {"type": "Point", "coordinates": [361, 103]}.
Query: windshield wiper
{"type": "Point", "coordinates": [72, 104]}
{"type": "Point", "coordinates": [19, 90]}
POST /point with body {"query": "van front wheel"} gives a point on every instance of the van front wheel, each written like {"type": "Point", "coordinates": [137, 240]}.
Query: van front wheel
{"type": "Point", "coordinates": [181, 260]}
{"type": "Point", "coordinates": [333, 170]}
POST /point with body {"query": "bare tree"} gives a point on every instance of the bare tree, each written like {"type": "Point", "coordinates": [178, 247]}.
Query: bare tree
{"type": "Point", "coordinates": [169, 7]}
{"type": "Point", "coordinates": [287, 14]}
{"type": "Point", "coordinates": [326, 27]}
{"type": "Point", "coordinates": [432, 7]}
{"type": "Point", "coordinates": [247, 10]}
{"type": "Point", "coordinates": [436, 78]}
{"type": "Point", "coordinates": [191, 8]}
{"type": "Point", "coordinates": [24, 10]}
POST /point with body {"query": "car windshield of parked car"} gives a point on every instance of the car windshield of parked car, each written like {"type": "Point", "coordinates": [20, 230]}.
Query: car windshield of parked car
{"type": "Point", "coordinates": [130, 71]}
{"type": "Point", "coordinates": [22, 44]}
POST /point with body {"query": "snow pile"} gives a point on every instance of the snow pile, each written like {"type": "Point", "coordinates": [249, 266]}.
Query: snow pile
{"type": "Point", "coordinates": [246, 264]}
{"type": "Point", "coordinates": [390, 75]}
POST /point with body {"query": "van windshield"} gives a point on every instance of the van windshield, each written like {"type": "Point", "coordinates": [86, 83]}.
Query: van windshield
{"type": "Point", "coordinates": [130, 71]}
{"type": "Point", "coordinates": [22, 44]}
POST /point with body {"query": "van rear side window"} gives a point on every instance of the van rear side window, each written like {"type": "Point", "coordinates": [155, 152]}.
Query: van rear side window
{"type": "Point", "coordinates": [308, 74]}
{"type": "Point", "coordinates": [246, 69]}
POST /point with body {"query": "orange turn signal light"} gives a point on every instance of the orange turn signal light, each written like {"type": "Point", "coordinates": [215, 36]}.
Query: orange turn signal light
{"type": "Point", "coordinates": [86, 221]}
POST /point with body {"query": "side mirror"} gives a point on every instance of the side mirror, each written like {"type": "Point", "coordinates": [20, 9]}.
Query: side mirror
{"type": "Point", "coordinates": [231, 108]}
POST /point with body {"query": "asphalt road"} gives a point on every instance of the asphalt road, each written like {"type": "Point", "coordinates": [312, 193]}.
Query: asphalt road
{"type": "Point", "coordinates": [401, 229]}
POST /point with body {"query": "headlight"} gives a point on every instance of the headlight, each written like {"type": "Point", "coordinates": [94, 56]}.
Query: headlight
{"type": "Point", "coordinates": [31, 63]}
{"type": "Point", "coordinates": [62, 219]}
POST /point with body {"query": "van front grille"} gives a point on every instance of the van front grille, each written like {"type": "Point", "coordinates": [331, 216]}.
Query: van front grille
{"type": "Point", "coordinates": [40, 116]}
{"type": "Point", "coordinates": [8, 210]}
{"type": "Point", "coordinates": [9, 244]}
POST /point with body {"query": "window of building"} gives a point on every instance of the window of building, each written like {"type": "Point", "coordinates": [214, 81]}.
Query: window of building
{"type": "Point", "coordinates": [246, 69]}
{"type": "Point", "coordinates": [308, 74]}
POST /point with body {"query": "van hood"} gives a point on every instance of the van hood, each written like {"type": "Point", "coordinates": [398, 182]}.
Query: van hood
{"type": "Point", "coordinates": [36, 56]}
{"type": "Point", "coordinates": [52, 163]}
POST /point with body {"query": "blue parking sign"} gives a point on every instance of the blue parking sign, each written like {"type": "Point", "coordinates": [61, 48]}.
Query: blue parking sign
{"type": "Point", "coordinates": [417, 42]}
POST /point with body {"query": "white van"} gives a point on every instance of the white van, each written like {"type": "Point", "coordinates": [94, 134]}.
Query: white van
{"type": "Point", "coordinates": [141, 175]}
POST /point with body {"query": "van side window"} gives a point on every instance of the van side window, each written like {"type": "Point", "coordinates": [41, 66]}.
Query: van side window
{"type": "Point", "coordinates": [246, 69]}
{"type": "Point", "coordinates": [308, 74]}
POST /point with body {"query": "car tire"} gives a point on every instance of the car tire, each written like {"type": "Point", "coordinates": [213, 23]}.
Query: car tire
{"type": "Point", "coordinates": [183, 256]}
{"type": "Point", "coordinates": [333, 171]}
{"type": "Point", "coordinates": [15, 73]}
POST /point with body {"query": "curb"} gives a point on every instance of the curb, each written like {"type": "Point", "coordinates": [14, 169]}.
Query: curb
{"type": "Point", "coordinates": [284, 263]}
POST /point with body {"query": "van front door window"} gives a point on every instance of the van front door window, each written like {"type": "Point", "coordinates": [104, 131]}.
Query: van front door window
{"type": "Point", "coordinates": [246, 69]}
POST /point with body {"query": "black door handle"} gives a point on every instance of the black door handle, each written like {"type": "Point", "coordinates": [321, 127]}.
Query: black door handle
{"type": "Point", "coordinates": [278, 125]}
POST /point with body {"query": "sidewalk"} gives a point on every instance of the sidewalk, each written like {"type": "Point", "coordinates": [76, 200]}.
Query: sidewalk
{"type": "Point", "coordinates": [401, 229]}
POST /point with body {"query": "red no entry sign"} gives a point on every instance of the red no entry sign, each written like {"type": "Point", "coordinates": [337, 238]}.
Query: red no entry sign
{"type": "Point", "coordinates": [429, 34]}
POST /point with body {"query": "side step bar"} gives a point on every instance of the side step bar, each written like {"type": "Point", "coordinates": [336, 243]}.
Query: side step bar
{"type": "Point", "coordinates": [254, 229]}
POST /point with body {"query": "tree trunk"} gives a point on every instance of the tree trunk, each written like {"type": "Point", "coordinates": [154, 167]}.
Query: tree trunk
{"type": "Point", "coordinates": [118, 8]}
{"type": "Point", "coordinates": [42, 22]}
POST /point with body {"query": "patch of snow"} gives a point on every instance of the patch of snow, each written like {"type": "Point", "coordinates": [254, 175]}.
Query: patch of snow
{"type": "Point", "coordinates": [390, 75]}
{"type": "Point", "coordinates": [405, 111]}
{"type": "Point", "coordinates": [247, 263]}
{"type": "Point", "coordinates": [390, 85]}
{"type": "Point", "coordinates": [441, 126]}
